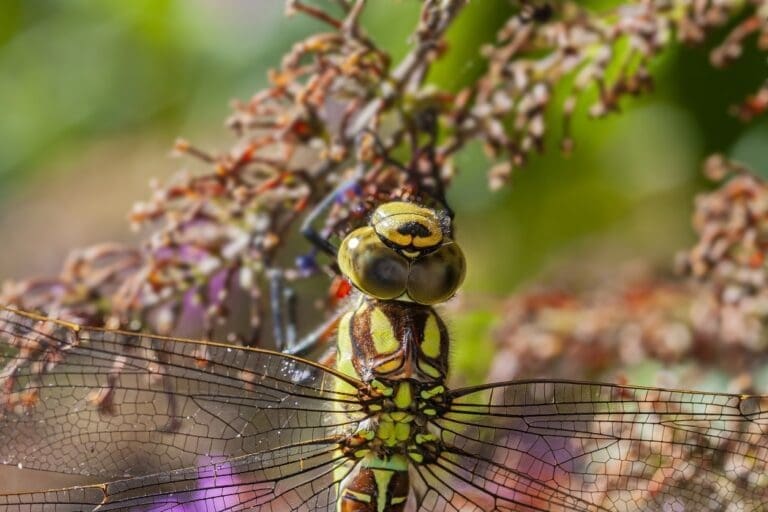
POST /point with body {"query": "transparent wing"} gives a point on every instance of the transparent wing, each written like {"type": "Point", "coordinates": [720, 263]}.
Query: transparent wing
{"type": "Point", "coordinates": [168, 418]}
{"type": "Point", "coordinates": [568, 446]}
{"type": "Point", "coordinates": [460, 481]}
{"type": "Point", "coordinates": [269, 481]}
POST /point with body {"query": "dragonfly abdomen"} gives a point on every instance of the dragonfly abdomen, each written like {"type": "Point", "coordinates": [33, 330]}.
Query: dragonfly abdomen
{"type": "Point", "coordinates": [378, 485]}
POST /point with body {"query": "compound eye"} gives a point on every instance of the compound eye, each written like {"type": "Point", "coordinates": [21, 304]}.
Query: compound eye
{"type": "Point", "coordinates": [372, 267]}
{"type": "Point", "coordinates": [436, 277]}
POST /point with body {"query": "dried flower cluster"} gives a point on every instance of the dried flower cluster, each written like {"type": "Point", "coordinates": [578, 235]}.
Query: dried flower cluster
{"type": "Point", "coordinates": [579, 52]}
{"type": "Point", "coordinates": [732, 227]}
{"type": "Point", "coordinates": [683, 333]}
{"type": "Point", "coordinates": [716, 322]}
{"type": "Point", "coordinates": [313, 134]}
{"type": "Point", "coordinates": [327, 132]}
{"type": "Point", "coordinates": [636, 320]}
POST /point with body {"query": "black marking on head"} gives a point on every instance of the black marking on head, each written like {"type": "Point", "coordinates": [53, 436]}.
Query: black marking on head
{"type": "Point", "coordinates": [414, 229]}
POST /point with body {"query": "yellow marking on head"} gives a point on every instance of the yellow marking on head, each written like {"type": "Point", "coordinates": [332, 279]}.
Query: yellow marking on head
{"type": "Point", "coordinates": [391, 208]}
{"type": "Point", "coordinates": [430, 412]}
{"type": "Point", "coordinates": [430, 346]}
{"type": "Point", "coordinates": [398, 500]}
{"type": "Point", "coordinates": [429, 369]}
{"type": "Point", "coordinates": [392, 220]}
{"type": "Point", "coordinates": [382, 333]}
{"type": "Point", "coordinates": [404, 396]}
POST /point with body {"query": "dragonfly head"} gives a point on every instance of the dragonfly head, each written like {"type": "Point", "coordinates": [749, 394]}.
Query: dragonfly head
{"type": "Point", "coordinates": [405, 253]}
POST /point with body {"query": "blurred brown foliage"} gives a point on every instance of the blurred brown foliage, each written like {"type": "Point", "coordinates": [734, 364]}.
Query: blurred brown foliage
{"type": "Point", "coordinates": [715, 321]}
{"type": "Point", "coordinates": [329, 129]}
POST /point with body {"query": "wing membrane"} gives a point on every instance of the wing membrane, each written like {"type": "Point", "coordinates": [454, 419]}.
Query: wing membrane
{"type": "Point", "coordinates": [269, 481]}
{"type": "Point", "coordinates": [115, 405]}
{"type": "Point", "coordinates": [460, 481]}
{"type": "Point", "coordinates": [567, 446]}
{"type": "Point", "coordinates": [181, 425]}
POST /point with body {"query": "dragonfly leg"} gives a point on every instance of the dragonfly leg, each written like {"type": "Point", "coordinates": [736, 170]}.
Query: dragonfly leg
{"type": "Point", "coordinates": [318, 337]}
{"type": "Point", "coordinates": [308, 229]}
{"type": "Point", "coordinates": [283, 303]}
{"type": "Point", "coordinates": [283, 307]}
{"type": "Point", "coordinates": [174, 421]}
{"type": "Point", "coordinates": [329, 357]}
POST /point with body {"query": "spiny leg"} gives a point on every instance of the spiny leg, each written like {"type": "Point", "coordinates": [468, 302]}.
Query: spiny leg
{"type": "Point", "coordinates": [308, 226]}
{"type": "Point", "coordinates": [317, 337]}
{"type": "Point", "coordinates": [283, 302]}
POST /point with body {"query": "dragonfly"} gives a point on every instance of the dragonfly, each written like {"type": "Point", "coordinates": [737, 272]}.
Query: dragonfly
{"type": "Point", "coordinates": [153, 423]}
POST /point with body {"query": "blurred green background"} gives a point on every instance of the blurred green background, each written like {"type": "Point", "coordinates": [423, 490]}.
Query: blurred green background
{"type": "Point", "coordinates": [93, 94]}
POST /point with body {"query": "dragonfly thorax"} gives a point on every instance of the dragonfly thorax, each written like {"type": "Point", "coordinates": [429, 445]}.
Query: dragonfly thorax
{"type": "Point", "coordinates": [398, 413]}
{"type": "Point", "coordinates": [393, 340]}
{"type": "Point", "coordinates": [395, 435]}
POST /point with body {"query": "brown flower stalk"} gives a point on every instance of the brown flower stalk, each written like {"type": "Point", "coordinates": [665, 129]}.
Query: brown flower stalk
{"type": "Point", "coordinates": [331, 125]}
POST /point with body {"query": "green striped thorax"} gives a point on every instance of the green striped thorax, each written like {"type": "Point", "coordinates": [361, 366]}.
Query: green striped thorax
{"type": "Point", "coordinates": [405, 253]}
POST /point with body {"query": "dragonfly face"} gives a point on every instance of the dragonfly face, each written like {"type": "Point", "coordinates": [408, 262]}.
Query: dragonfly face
{"type": "Point", "coordinates": [404, 254]}
{"type": "Point", "coordinates": [177, 425]}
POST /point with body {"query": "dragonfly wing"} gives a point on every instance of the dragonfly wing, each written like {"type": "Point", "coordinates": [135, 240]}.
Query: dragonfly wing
{"type": "Point", "coordinates": [459, 481]}
{"type": "Point", "coordinates": [268, 481]}
{"type": "Point", "coordinates": [119, 405]}
{"type": "Point", "coordinates": [568, 446]}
